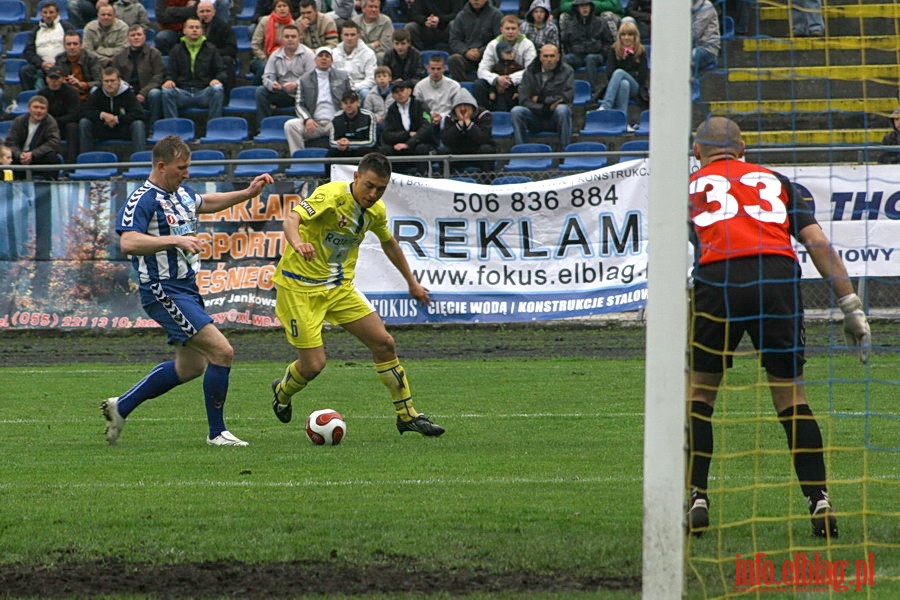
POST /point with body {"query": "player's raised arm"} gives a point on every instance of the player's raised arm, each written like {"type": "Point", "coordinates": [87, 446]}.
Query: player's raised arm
{"type": "Point", "coordinates": [216, 201]}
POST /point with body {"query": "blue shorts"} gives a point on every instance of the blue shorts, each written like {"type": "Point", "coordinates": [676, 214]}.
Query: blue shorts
{"type": "Point", "coordinates": [177, 306]}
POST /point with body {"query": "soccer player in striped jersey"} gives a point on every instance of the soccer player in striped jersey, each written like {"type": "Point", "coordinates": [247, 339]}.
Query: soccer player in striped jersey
{"type": "Point", "coordinates": [157, 226]}
{"type": "Point", "coordinates": [315, 283]}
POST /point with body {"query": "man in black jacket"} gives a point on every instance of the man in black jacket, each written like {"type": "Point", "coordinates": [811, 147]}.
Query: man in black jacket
{"type": "Point", "coordinates": [141, 66]}
{"type": "Point", "coordinates": [468, 129]}
{"type": "Point", "coordinates": [113, 113]}
{"type": "Point", "coordinates": [429, 23]}
{"type": "Point", "coordinates": [476, 24]}
{"type": "Point", "coordinates": [220, 34]}
{"type": "Point", "coordinates": [399, 139]}
{"type": "Point", "coordinates": [65, 106]}
{"type": "Point", "coordinates": [37, 145]}
{"type": "Point", "coordinates": [352, 129]}
{"type": "Point", "coordinates": [197, 82]}
{"type": "Point", "coordinates": [545, 98]}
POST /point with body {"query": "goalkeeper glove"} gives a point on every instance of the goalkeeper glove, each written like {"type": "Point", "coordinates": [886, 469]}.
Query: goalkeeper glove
{"type": "Point", "coordinates": [856, 327]}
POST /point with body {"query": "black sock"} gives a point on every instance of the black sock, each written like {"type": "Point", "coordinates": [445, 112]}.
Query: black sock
{"type": "Point", "coordinates": [805, 442]}
{"type": "Point", "coordinates": [700, 445]}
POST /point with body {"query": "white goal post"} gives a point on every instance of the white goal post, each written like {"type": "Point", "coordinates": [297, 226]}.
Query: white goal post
{"type": "Point", "coordinates": [665, 380]}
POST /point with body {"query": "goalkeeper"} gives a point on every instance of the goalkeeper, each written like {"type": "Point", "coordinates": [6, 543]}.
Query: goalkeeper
{"type": "Point", "coordinates": [746, 280]}
{"type": "Point", "coordinates": [315, 283]}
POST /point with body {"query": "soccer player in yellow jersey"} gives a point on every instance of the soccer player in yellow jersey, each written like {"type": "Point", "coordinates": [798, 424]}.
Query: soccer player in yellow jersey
{"type": "Point", "coordinates": [315, 283]}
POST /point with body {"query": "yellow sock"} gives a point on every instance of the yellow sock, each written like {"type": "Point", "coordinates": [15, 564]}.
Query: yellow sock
{"type": "Point", "coordinates": [291, 383]}
{"type": "Point", "coordinates": [393, 377]}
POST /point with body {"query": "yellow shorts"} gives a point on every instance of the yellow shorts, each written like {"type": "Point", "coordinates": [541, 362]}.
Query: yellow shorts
{"type": "Point", "coordinates": [303, 313]}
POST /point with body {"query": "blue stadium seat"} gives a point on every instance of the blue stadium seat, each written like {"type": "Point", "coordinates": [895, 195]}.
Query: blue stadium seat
{"type": "Point", "coordinates": [22, 99]}
{"type": "Point", "coordinates": [12, 66]}
{"type": "Point", "coordinates": [507, 179]}
{"type": "Point", "coordinates": [271, 129]}
{"type": "Point", "coordinates": [13, 12]}
{"type": "Point", "coordinates": [84, 174]}
{"type": "Point", "coordinates": [502, 127]}
{"type": "Point", "coordinates": [605, 123]}
{"type": "Point", "coordinates": [634, 146]}
{"type": "Point", "coordinates": [583, 163]}
{"type": "Point", "coordinates": [643, 127]}
{"type": "Point", "coordinates": [509, 7]}
{"type": "Point", "coordinates": [18, 45]}
{"type": "Point", "coordinates": [137, 172]}
{"type": "Point", "coordinates": [727, 28]}
{"type": "Point", "coordinates": [201, 171]}
{"type": "Point", "coordinates": [226, 130]}
{"type": "Point", "coordinates": [252, 170]}
{"type": "Point", "coordinates": [242, 37]}
{"type": "Point", "coordinates": [247, 10]}
{"type": "Point", "coordinates": [183, 128]}
{"type": "Point", "coordinates": [150, 5]}
{"type": "Point", "coordinates": [151, 37]}
{"type": "Point", "coordinates": [5, 126]}
{"type": "Point", "coordinates": [241, 99]}
{"type": "Point", "coordinates": [529, 164]}
{"type": "Point", "coordinates": [583, 92]}
{"type": "Point", "coordinates": [308, 169]}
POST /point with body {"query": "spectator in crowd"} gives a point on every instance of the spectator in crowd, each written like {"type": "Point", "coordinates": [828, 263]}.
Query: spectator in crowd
{"type": "Point", "coordinates": [429, 23]}
{"type": "Point", "coordinates": [320, 96]}
{"type": "Point", "coordinates": [267, 37]}
{"type": "Point", "coordinates": [468, 129]}
{"type": "Point", "coordinates": [610, 13]}
{"type": "Point", "coordinates": [586, 39]}
{"type": "Point", "coordinates": [265, 7]}
{"type": "Point", "coordinates": [107, 35]}
{"type": "Point", "coordinates": [403, 59]}
{"type": "Point", "coordinates": [499, 76]}
{"type": "Point", "coordinates": [316, 28]}
{"type": "Point", "coordinates": [379, 97]}
{"type": "Point", "coordinates": [476, 24]}
{"type": "Point", "coordinates": [34, 139]}
{"type": "Point", "coordinates": [375, 29]}
{"type": "Point", "coordinates": [352, 129]}
{"type": "Point", "coordinates": [705, 41]}
{"type": "Point", "coordinates": [629, 77]}
{"type": "Point", "coordinates": [437, 92]}
{"type": "Point", "coordinates": [195, 75]}
{"type": "Point", "coordinates": [44, 44]}
{"type": "Point", "coordinates": [892, 138]}
{"type": "Point", "coordinates": [219, 33]}
{"type": "Point", "coordinates": [132, 12]}
{"type": "Point", "coordinates": [284, 69]}
{"type": "Point", "coordinates": [65, 106]}
{"type": "Point", "coordinates": [357, 60]}
{"type": "Point", "coordinates": [112, 113]}
{"type": "Point", "coordinates": [806, 18]}
{"type": "Point", "coordinates": [83, 11]}
{"type": "Point", "coordinates": [171, 15]}
{"type": "Point", "coordinates": [407, 129]}
{"type": "Point", "coordinates": [81, 68]}
{"type": "Point", "coordinates": [545, 98]}
{"type": "Point", "coordinates": [639, 10]}
{"type": "Point", "coordinates": [538, 26]}
{"type": "Point", "coordinates": [141, 66]}
{"type": "Point", "coordinates": [343, 11]}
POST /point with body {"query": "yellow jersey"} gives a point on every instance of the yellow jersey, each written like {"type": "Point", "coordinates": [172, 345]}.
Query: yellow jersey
{"type": "Point", "coordinates": [335, 224]}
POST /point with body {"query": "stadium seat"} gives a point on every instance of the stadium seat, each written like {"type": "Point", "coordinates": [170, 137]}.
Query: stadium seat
{"type": "Point", "coordinates": [151, 37]}
{"type": "Point", "coordinates": [502, 124]}
{"type": "Point", "coordinates": [634, 146]}
{"type": "Point", "coordinates": [13, 12]}
{"type": "Point", "coordinates": [469, 85]}
{"type": "Point", "coordinates": [727, 28]}
{"type": "Point", "coordinates": [241, 99]}
{"type": "Point", "coordinates": [12, 66]}
{"type": "Point", "coordinates": [226, 130]}
{"type": "Point", "coordinates": [201, 171]}
{"type": "Point", "coordinates": [242, 37]}
{"type": "Point", "coordinates": [529, 164]}
{"type": "Point", "coordinates": [643, 127]}
{"type": "Point", "coordinates": [506, 179]}
{"type": "Point", "coordinates": [83, 174]}
{"type": "Point", "coordinates": [22, 99]}
{"type": "Point", "coordinates": [583, 92]}
{"type": "Point", "coordinates": [509, 7]}
{"type": "Point", "coordinates": [271, 129]}
{"type": "Point", "coordinates": [150, 5]}
{"type": "Point", "coordinates": [183, 128]}
{"type": "Point", "coordinates": [247, 9]}
{"type": "Point", "coordinates": [139, 172]}
{"type": "Point", "coordinates": [18, 45]}
{"type": "Point", "coordinates": [308, 169]}
{"type": "Point", "coordinates": [605, 123]}
{"type": "Point", "coordinates": [583, 163]}
{"type": "Point", "coordinates": [5, 126]}
{"type": "Point", "coordinates": [427, 54]}
{"type": "Point", "coordinates": [252, 170]}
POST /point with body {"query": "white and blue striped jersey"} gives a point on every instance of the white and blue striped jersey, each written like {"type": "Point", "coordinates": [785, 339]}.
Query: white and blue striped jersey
{"type": "Point", "coordinates": [154, 211]}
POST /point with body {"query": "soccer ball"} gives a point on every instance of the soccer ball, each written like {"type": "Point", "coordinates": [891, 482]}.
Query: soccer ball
{"type": "Point", "coordinates": [325, 427]}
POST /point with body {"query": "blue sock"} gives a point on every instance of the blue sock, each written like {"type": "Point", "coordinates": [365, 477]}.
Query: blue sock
{"type": "Point", "coordinates": [215, 389]}
{"type": "Point", "coordinates": [158, 381]}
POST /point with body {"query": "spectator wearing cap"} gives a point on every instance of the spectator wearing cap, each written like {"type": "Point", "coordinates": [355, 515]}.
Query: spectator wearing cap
{"type": "Point", "coordinates": [407, 128]}
{"type": "Point", "coordinates": [81, 68]}
{"type": "Point", "coordinates": [502, 66]}
{"type": "Point", "coordinates": [545, 98]}
{"type": "Point", "coordinates": [586, 38]}
{"type": "Point", "coordinates": [112, 113]}
{"type": "Point", "coordinates": [107, 35]}
{"type": "Point", "coordinates": [45, 42]}
{"type": "Point", "coordinates": [34, 138]}
{"type": "Point", "coordinates": [353, 130]}
{"type": "Point", "coordinates": [195, 74]}
{"type": "Point", "coordinates": [65, 106]}
{"type": "Point", "coordinates": [468, 129]}
{"type": "Point", "coordinates": [437, 92]}
{"type": "Point", "coordinates": [317, 102]}
{"type": "Point", "coordinates": [357, 59]}
{"type": "Point", "coordinates": [141, 66]}
{"type": "Point", "coordinates": [281, 78]}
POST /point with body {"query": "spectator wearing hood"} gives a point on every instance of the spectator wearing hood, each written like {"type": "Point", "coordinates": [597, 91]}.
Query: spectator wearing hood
{"type": "Point", "coordinates": [545, 98]}
{"type": "Point", "coordinates": [892, 138]}
{"type": "Point", "coordinates": [43, 45]}
{"type": "Point", "coordinates": [501, 68]}
{"type": "Point", "coordinates": [539, 26]}
{"type": "Point", "coordinates": [586, 38]}
{"type": "Point", "coordinates": [112, 113]}
{"type": "Point", "coordinates": [473, 27]}
{"type": "Point", "coordinates": [468, 129]}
